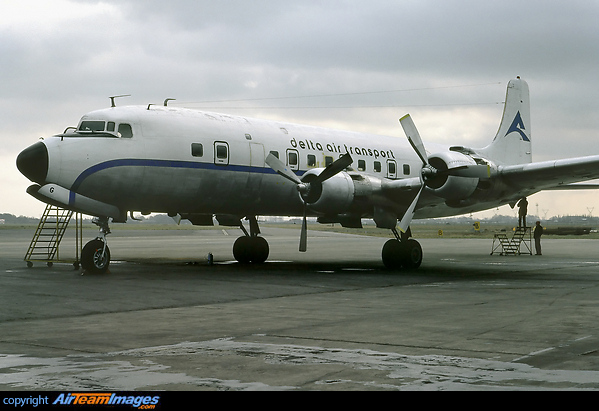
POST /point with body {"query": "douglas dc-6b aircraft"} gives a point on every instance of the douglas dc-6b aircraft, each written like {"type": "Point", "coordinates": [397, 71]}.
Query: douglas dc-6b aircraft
{"type": "Point", "coordinates": [198, 165]}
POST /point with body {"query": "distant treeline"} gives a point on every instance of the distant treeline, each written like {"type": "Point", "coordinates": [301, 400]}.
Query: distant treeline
{"type": "Point", "coordinates": [163, 219]}
{"type": "Point", "coordinates": [13, 219]}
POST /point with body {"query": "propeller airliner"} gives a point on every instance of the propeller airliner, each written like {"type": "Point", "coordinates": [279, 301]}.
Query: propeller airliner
{"type": "Point", "coordinates": [199, 166]}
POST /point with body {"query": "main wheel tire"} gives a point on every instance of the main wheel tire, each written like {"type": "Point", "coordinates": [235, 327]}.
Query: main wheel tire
{"type": "Point", "coordinates": [260, 250]}
{"type": "Point", "coordinates": [242, 249]}
{"type": "Point", "coordinates": [250, 250]}
{"type": "Point", "coordinates": [92, 259]}
{"type": "Point", "coordinates": [412, 254]}
{"type": "Point", "coordinates": [392, 254]}
{"type": "Point", "coordinates": [397, 255]}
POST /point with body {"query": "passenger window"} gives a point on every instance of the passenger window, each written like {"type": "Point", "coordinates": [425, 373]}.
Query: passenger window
{"type": "Point", "coordinates": [406, 169]}
{"type": "Point", "coordinates": [377, 166]}
{"type": "Point", "coordinates": [125, 131]}
{"type": "Point", "coordinates": [391, 169]}
{"type": "Point", "coordinates": [328, 160]}
{"type": "Point", "coordinates": [221, 153]}
{"type": "Point", "coordinates": [311, 160]}
{"type": "Point", "coordinates": [361, 165]}
{"type": "Point", "coordinates": [292, 158]}
{"type": "Point", "coordinates": [197, 150]}
{"type": "Point", "coordinates": [275, 153]}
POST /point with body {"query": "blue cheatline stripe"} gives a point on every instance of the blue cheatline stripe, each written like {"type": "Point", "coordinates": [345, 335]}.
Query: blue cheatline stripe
{"type": "Point", "coordinates": [134, 162]}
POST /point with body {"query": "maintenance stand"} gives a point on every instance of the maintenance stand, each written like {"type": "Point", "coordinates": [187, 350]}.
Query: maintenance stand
{"type": "Point", "coordinates": [45, 243]}
{"type": "Point", "coordinates": [521, 236]}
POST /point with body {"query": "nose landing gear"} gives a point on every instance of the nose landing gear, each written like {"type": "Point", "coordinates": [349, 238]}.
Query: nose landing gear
{"type": "Point", "coordinates": [95, 256]}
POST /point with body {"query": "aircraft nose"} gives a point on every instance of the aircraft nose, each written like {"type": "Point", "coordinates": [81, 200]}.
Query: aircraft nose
{"type": "Point", "coordinates": [33, 162]}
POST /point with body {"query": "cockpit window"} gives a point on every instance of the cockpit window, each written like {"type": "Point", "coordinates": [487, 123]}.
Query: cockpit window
{"type": "Point", "coordinates": [125, 130]}
{"type": "Point", "coordinates": [99, 128]}
{"type": "Point", "coordinates": [91, 126]}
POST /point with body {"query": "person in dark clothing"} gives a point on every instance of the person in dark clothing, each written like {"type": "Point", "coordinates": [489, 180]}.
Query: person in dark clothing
{"type": "Point", "coordinates": [523, 210]}
{"type": "Point", "coordinates": [537, 235]}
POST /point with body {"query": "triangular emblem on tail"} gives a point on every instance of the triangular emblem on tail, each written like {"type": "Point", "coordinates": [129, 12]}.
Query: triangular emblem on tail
{"type": "Point", "coordinates": [518, 127]}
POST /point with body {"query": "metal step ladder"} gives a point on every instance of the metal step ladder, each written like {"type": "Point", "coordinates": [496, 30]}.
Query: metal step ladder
{"type": "Point", "coordinates": [45, 243]}
{"type": "Point", "coordinates": [522, 236]}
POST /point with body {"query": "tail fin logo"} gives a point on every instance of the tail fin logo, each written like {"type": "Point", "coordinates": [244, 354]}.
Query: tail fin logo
{"type": "Point", "coordinates": [518, 127]}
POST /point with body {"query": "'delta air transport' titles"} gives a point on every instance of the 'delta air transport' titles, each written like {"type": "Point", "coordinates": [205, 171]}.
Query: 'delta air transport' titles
{"type": "Point", "coordinates": [198, 165]}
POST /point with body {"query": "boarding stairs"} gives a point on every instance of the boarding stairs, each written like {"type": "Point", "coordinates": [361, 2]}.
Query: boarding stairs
{"type": "Point", "coordinates": [50, 231]}
{"type": "Point", "coordinates": [521, 241]}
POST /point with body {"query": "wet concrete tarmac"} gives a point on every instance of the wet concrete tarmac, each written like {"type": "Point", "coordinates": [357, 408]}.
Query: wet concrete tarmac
{"type": "Point", "coordinates": [330, 319]}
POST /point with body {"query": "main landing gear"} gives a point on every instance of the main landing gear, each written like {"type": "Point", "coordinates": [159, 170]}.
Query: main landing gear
{"type": "Point", "coordinates": [95, 256]}
{"type": "Point", "coordinates": [250, 248]}
{"type": "Point", "coordinates": [402, 252]}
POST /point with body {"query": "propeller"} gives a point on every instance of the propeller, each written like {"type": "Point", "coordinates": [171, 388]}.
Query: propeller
{"type": "Point", "coordinates": [428, 171]}
{"type": "Point", "coordinates": [308, 187]}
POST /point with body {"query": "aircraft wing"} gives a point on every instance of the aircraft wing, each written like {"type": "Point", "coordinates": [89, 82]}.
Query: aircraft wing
{"type": "Point", "coordinates": [526, 179]}
{"type": "Point", "coordinates": [552, 175]}
{"type": "Point", "coordinates": [575, 187]}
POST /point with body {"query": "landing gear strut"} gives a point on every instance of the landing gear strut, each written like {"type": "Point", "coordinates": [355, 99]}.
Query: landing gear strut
{"type": "Point", "coordinates": [402, 252]}
{"type": "Point", "coordinates": [250, 248]}
{"type": "Point", "coordinates": [95, 256]}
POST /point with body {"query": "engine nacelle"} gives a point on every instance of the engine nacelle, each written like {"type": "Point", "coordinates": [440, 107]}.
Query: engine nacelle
{"type": "Point", "coordinates": [334, 196]}
{"type": "Point", "coordinates": [449, 186]}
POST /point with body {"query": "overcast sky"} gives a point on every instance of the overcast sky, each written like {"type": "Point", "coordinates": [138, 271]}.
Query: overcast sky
{"type": "Point", "coordinates": [358, 65]}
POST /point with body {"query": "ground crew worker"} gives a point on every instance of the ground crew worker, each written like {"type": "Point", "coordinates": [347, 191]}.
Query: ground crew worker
{"type": "Point", "coordinates": [523, 210]}
{"type": "Point", "coordinates": [537, 235]}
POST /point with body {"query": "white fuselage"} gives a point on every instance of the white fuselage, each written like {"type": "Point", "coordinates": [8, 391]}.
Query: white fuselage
{"type": "Point", "coordinates": [184, 161]}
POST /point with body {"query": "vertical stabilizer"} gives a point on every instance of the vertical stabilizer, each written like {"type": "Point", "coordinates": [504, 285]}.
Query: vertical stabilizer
{"type": "Point", "coordinates": [512, 144]}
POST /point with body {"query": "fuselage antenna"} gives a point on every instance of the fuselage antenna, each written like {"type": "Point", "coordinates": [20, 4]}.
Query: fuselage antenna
{"type": "Point", "coordinates": [167, 100]}
{"type": "Point", "coordinates": [113, 97]}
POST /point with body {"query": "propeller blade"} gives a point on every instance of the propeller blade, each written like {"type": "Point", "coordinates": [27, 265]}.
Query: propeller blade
{"type": "Point", "coordinates": [303, 246]}
{"type": "Point", "coordinates": [406, 220]}
{"type": "Point", "coordinates": [281, 168]}
{"type": "Point", "coordinates": [414, 137]}
{"type": "Point", "coordinates": [337, 166]}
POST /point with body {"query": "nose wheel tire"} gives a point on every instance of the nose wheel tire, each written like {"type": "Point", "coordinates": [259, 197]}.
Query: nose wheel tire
{"type": "Point", "coordinates": [95, 257]}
